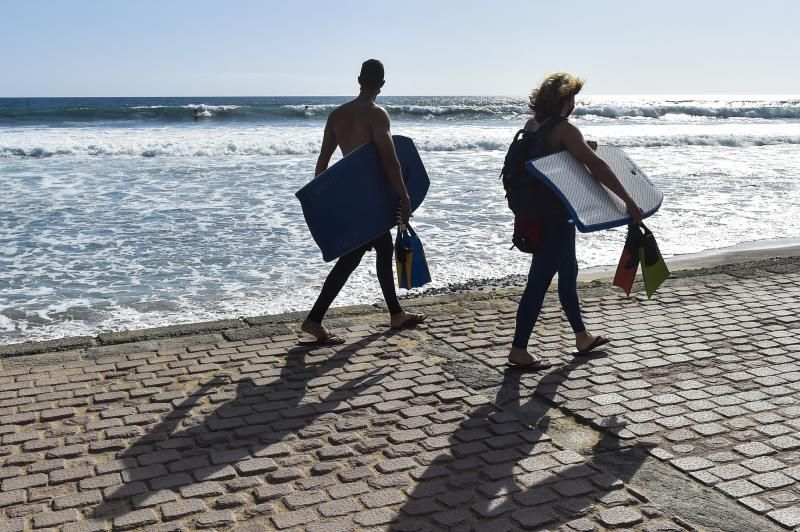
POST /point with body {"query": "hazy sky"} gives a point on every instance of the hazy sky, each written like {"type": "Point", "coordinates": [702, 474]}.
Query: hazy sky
{"type": "Point", "coordinates": [429, 47]}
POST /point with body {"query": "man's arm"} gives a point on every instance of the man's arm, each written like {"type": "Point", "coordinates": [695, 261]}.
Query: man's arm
{"type": "Point", "coordinates": [329, 145]}
{"type": "Point", "coordinates": [379, 121]}
{"type": "Point", "coordinates": [572, 139]}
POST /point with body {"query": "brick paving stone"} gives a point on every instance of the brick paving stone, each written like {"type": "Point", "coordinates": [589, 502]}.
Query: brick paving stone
{"type": "Point", "coordinates": [335, 452]}
{"type": "Point", "coordinates": [23, 482]}
{"type": "Point", "coordinates": [170, 481]}
{"type": "Point", "coordinates": [534, 518]}
{"type": "Point", "coordinates": [135, 519]}
{"type": "Point", "coordinates": [84, 498]}
{"type": "Point", "coordinates": [292, 519]}
{"type": "Point", "coordinates": [51, 519]}
{"type": "Point", "coordinates": [146, 500]}
{"type": "Point", "coordinates": [739, 488]}
{"type": "Point", "coordinates": [772, 480]}
{"type": "Point", "coordinates": [788, 517]}
{"type": "Point", "coordinates": [91, 525]}
{"type": "Point", "coordinates": [538, 463]}
{"type": "Point", "coordinates": [14, 497]}
{"type": "Point", "coordinates": [233, 500]}
{"type": "Point", "coordinates": [13, 525]}
{"type": "Point", "coordinates": [339, 508]}
{"type": "Point", "coordinates": [272, 491]}
{"type": "Point", "coordinates": [756, 504]}
{"type": "Point", "coordinates": [299, 500]}
{"type": "Point", "coordinates": [730, 471]}
{"type": "Point", "coordinates": [396, 464]}
{"type": "Point", "coordinates": [202, 490]}
{"type": "Point", "coordinates": [351, 489]}
{"type": "Point", "coordinates": [188, 464]}
{"type": "Point", "coordinates": [159, 457]}
{"type": "Point", "coordinates": [285, 474]}
{"type": "Point", "coordinates": [754, 449]}
{"type": "Point", "coordinates": [378, 499]}
{"type": "Point", "coordinates": [376, 517]}
{"type": "Point", "coordinates": [214, 473]}
{"type": "Point", "coordinates": [573, 488]}
{"type": "Point", "coordinates": [763, 464]}
{"type": "Point", "coordinates": [215, 518]}
{"type": "Point", "coordinates": [182, 508]}
{"type": "Point", "coordinates": [691, 463]}
{"type": "Point", "coordinates": [8, 472]}
{"type": "Point", "coordinates": [72, 474]}
{"type": "Point", "coordinates": [256, 465]}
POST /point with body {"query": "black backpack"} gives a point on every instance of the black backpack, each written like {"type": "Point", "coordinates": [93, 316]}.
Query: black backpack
{"type": "Point", "coordinates": [527, 196]}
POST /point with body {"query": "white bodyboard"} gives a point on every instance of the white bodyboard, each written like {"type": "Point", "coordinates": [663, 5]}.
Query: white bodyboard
{"type": "Point", "coordinates": [592, 206]}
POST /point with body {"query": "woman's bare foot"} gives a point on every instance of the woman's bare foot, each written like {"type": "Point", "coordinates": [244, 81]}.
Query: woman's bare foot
{"type": "Point", "coordinates": [586, 343]}
{"type": "Point", "coordinates": [405, 319]}
{"type": "Point", "coordinates": [520, 358]}
{"type": "Point", "coordinates": [320, 333]}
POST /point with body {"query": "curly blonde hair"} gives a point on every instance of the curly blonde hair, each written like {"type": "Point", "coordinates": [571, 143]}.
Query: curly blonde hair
{"type": "Point", "coordinates": [548, 99]}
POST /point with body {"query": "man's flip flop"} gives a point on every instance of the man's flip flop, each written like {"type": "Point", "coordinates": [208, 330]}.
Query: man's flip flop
{"type": "Point", "coordinates": [597, 342]}
{"type": "Point", "coordinates": [412, 321]}
{"type": "Point", "coordinates": [328, 339]}
{"type": "Point", "coordinates": [539, 363]}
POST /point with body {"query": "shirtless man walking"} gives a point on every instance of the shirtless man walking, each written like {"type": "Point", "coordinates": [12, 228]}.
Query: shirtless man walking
{"type": "Point", "coordinates": [349, 126]}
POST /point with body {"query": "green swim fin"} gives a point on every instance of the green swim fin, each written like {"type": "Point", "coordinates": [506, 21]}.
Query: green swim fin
{"type": "Point", "coordinates": [654, 269]}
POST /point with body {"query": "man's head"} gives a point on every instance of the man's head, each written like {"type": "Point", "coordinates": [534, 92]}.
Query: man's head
{"type": "Point", "coordinates": [371, 76]}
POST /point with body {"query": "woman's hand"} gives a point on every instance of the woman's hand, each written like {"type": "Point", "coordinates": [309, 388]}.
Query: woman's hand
{"type": "Point", "coordinates": [635, 212]}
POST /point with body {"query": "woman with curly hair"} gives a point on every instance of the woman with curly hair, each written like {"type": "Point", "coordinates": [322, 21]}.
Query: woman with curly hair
{"type": "Point", "coordinates": [552, 103]}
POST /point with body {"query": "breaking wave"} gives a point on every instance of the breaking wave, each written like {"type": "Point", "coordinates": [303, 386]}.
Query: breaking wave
{"type": "Point", "coordinates": [67, 111]}
{"type": "Point", "coordinates": [307, 147]}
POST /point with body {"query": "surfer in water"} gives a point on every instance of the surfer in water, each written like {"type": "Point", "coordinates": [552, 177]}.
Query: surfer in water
{"type": "Point", "coordinates": [552, 103]}
{"type": "Point", "coordinates": [349, 126]}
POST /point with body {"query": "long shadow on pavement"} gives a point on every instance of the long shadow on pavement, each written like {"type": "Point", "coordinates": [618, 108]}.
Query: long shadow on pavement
{"type": "Point", "coordinates": [241, 436]}
{"type": "Point", "coordinates": [495, 472]}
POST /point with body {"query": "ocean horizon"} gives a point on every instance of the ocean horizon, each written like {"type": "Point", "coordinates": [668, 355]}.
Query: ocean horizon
{"type": "Point", "coordinates": [127, 213]}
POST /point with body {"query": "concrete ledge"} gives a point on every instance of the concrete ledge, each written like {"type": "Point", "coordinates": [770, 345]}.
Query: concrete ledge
{"type": "Point", "coordinates": [47, 346]}
{"type": "Point", "coordinates": [152, 345]}
{"type": "Point", "coordinates": [170, 331]}
{"type": "Point", "coordinates": [299, 316]}
{"type": "Point", "coordinates": [259, 331]}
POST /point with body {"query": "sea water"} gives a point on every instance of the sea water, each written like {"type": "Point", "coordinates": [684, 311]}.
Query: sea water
{"type": "Point", "coordinates": [123, 213]}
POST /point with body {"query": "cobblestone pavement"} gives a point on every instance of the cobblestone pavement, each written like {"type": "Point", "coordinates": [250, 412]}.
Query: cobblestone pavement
{"type": "Point", "coordinates": [426, 429]}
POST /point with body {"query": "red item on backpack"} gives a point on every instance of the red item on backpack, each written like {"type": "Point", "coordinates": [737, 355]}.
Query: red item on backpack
{"type": "Point", "coordinates": [527, 234]}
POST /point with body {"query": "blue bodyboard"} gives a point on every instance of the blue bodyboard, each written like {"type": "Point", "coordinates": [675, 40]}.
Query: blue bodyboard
{"type": "Point", "coordinates": [352, 202]}
{"type": "Point", "coordinates": [591, 205]}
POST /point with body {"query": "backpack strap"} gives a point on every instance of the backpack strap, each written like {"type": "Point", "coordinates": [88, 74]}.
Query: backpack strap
{"type": "Point", "coordinates": [544, 129]}
{"type": "Point", "coordinates": [519, 133]}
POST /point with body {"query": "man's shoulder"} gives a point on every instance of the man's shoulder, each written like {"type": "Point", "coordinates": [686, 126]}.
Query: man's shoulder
{"type": "Point", "coordinates": [377, 113]}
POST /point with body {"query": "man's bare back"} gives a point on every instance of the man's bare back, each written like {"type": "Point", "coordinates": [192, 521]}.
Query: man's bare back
{"type": "Point", "coordinates": [353, 123]}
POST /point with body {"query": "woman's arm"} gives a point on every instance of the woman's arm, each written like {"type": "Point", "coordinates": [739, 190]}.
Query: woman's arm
{"type": "Point", "coordinates": [571, 138]}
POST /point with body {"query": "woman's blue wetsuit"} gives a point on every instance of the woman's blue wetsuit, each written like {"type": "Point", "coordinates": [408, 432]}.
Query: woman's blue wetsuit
{"type": "Point", "coordinates": [555, 254]}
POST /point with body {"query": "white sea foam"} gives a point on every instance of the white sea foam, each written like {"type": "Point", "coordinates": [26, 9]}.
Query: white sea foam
{"type": "Point", "coordinates": [284, 140]}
